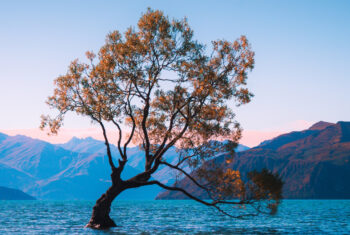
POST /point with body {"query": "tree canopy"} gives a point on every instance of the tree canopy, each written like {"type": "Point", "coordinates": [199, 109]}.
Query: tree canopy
{"type": "Point", "coordinates": [159, 88]}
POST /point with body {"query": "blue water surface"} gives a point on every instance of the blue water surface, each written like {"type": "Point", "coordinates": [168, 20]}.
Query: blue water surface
{"type": "Point", "coordinates": [173, 217]}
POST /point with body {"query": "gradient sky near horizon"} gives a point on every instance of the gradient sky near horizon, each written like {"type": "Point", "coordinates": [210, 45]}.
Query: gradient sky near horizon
{"type": "Point", "coordinates": [302, 54]}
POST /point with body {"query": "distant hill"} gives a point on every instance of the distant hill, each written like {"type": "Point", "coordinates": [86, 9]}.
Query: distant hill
{"type": "Point", "coordinates": [78, 169]}
{"type": "Point", "coordinates": [13, 194]}
{"type": "Point", "coordinates": [321, 125]}
{"type": "Point", "coordinates": [14, 178]}
{"type": "Point", "coordinates": [48, 171]}
{"type": "Point", "coordinates": [314, 163]}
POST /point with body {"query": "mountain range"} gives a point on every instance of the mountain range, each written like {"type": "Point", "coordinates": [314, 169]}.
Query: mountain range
{"type": "Point", "coordinates": [313, 163]}
{"type": "Point", "coordinates": [76, 170]}
{"type": "Point", "coordinates": [49, 171]}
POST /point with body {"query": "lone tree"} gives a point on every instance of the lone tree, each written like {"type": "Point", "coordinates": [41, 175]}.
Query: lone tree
{"type": "Point", "coordinates": [159, 88]}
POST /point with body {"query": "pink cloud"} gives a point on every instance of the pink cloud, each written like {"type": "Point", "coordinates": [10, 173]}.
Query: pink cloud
{"type": "Point", "coordinates": [63, 136]}
{"type": "Point", "coordinates": [250, 138]}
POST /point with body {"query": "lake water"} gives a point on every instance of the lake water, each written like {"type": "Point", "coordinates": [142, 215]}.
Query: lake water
{"type": "Point", "coordinates": [173, 217]}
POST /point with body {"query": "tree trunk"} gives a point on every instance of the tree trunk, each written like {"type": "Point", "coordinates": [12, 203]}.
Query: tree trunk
{"type": "Point", "coordinates": [100, 214]}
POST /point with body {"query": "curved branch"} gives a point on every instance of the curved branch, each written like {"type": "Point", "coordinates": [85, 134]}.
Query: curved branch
{"type": "Point", "coordinates": [109, 154]}
{"type": "Point", "coordinates": [213, 204]}
{"type": "Point", "coordinates": [188, 176]}
{"type": "Point", "coordinates": [133, 123]}
{"type": "Point", "coordinates": [145, 132]}
{"type": "Point", "coordinates": [119, 140]}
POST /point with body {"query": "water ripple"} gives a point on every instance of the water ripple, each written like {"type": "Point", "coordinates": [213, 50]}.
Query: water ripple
{"type": "Point", "coordinates": [173, 217]}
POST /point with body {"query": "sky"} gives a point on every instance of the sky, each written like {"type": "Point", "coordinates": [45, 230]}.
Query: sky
{"type": "Point", "coordinates": [301, 65]}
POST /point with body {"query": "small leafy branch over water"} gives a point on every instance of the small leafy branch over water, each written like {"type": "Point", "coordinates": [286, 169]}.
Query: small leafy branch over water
{"type": "Point", "coordinates": [160, 88]}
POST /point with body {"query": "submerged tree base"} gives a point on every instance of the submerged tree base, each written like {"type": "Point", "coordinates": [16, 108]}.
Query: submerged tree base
{"type": "Point", "coordinates": [101, 224]}
{"type": "Point", "coordinates": [100, 218]}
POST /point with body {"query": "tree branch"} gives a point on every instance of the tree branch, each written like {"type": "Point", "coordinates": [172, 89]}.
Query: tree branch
{"type": "Point", "coordinates": [109, 154]}
{"type": "Point", "coordinates": [133, 122]}
{"type": "Point", "coordinates": [119, 140]}
{"type": "Point", "coordinates": [188, 176]}
{"type": "Point", "coordinates": [213, 204]}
